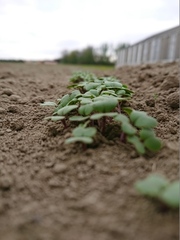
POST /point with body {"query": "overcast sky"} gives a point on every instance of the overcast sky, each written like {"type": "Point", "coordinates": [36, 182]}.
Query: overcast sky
{"type": "Point", "coordinates": [41, 29]}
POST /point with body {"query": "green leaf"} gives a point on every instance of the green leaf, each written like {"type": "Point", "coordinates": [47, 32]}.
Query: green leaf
{"type": "Point", "coordinates": [78, 118]}
{"type": "Point", "coordinates": [84, 132]}
{"type": "Point", "coordinates": [88, 95]}
{"type": "Point", "coordinates": [106, 105]}
{"type": "Point", "coordinates": [152, 185]}
{"type": "Point", "coordinates": [110, 84]}
{"type": "Point", "coordinates": [85, 109]}
{"type": "Point", "coordinates": [94, 92]}
{"type": "Point", "coordinates": [109, 92]}
{"type": "Point", "coordinates": [128, 128]}
{"type": "Point", "coordinates": [66, 109]}
{"type": "Point", "coordinates": [55, 118]}
{"type": "Point", "coordinates": [97, 116]}
{"type": "Point", "coordinates": [84, 100]}
{"type": "Point", "coordinates": [91, 86]}
{"type": "Point", "coordinates": [170, 195]}
{"type": "Point", "coordinates": [145, 122]}
{"type": "Point", "coordinates": [64, 101]}
{"type": "Point", "coordinates": [137, 143]}
{"type": "Point", "coordinates": [152, 143]}
{"type": "Point", "coordinates": [86, 140]}
{"type": "Point", "coordinates": [146, 133]}
{"type": "Point", "coordinates": [136, 115]}
{"type": "Point", "coordinates": [121, 92]}
{"type": "Point", "coordinates": [127, 110]}
{"type": "Point", "coordinates": [75, 93]}
{"type": "Point", "coordinates": [121, 118]}
{"type": "Point", "coordinates": [142, 120]}
{"type": "Point", "coordinates": [48, 104]}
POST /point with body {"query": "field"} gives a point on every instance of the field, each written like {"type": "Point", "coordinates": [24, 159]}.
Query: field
{"type": "Point", "coordinates": [51, 191]}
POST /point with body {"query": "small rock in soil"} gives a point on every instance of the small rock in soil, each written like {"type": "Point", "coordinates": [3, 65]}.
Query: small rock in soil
{"type": "Point", "coordinates": [8, 130]}
{"type": "Point", "coordinates": [162, 117]}
{"type": "Point", "coordinates": [6, 183]}
{"type": "Point", "coordinates": [59, 168]}
{"type": "Point", "coordinates": [13, 109]}
{"type": "Point", "coordinates": [44, 174]}
{"type": "Point", "coordinates": [173, 130]}
{"type": "Point", "coordinates": [170, 82]}
{"type": "Point", "coordinates": [38, 99]}
{"type": "Point", "coordinates": [17, 126]}
{"type": "Point", "coordinates": [49, 164]}
{"type": "Point", "coordinates": [7, 92]}
{"type": "Point", "coordinates": [81, 176]}
{"type": "Point", "coordinates": [173, 100]}
{"type": "Point", "coordinates": [2, 110]}
{"type": "Point", "coordinates": [54, 183]}
{"type": "Point", "coordinates": [6, 75]}
{"type": "Point", "coordinates": [2, 133]}
{"type": "Point", "coordinates": [15, 98]}
{"type": "Point", "coordinates": [2, 207]}
{"type": "Point", "coordinates": [150, 102]}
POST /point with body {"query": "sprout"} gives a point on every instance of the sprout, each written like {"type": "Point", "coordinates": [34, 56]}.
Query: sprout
{"type": "Point", "coordinates": [159, 188]}
{"type": "Point", "coordinates": [101, 101]}
{"type": "Point", "coordinates": [82, 134]}
{"type": "Point", "coordinates": [48, 104]}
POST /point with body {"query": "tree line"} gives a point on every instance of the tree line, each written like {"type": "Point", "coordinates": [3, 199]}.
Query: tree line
{"type": "Point", "coordinates": [104, 55]}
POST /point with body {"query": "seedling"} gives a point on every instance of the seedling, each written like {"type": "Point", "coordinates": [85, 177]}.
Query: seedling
{"type": "Point", "coordinates": [82, 134]}
{"type": "Point", "coordinates": [100, 101]}
{"type": "Point", "coordinates": [159, 188]}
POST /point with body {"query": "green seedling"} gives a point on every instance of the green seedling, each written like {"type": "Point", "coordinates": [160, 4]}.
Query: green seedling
{"type": "Point", "coordinates": [82, 134]}
{"type": "Point", "coordinates": [68, 99]}
{"type": "Point", "coordinates": [141, 120]}
{"type": "Point", "coordinates": [144, 138]}
{"type": "Point", "coordinates": [78, 118]}
{"type": "Point", "coordinates": [170, 195]}
{"type": "Point", "coordinates": [65, 110]}
{"type": "Point", "coordinates": [85, 110]}
{"type": "Point", "coordinates": [50, 104]}
{"type": "Point", "coordinates": [97, 116]}
{"type": "Point", "coordinates": [82, 76]}
{"type": "Point", "coordinates": [55, 118]}
{"type": "Point", "coordinates": [105, 104]}
{"type": "Point", "coordinates": [159, 188]}
{"type": "Point", "coordinates": [101, 101]}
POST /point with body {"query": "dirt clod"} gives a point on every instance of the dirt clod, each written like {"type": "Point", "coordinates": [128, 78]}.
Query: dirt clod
{"type": "Point", "coordinates": [13, 109]}
{"type": "Point", "coordinates": [7, 92]}
{"type": "Point", "coordinates": [15, 98]}
{"type": "Point", "coordinates": [171, 81]}
{"type": "Point", "coordinates": [5, 183]}
{"type": "Point", "coordinates": [59, 168]}
{"type": "Point", "coordinates": [150, 102]}
{"type": "Point", "coordinates": [2, 110]}
{"type": "Point", "coordinates": [173, 100]}
{"type": "Point", "coordinates": [17, 125]}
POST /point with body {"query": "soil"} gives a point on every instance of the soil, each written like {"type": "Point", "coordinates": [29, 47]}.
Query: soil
{"type": "Point", "coordinates": [51, 191]}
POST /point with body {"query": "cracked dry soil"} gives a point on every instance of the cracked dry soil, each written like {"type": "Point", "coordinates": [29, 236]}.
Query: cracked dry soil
{"type": "Point", "coordinates": [51, 191]}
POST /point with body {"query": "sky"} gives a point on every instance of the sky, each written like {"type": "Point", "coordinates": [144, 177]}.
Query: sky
{"type": "Point", "coordinates": [42, 29]}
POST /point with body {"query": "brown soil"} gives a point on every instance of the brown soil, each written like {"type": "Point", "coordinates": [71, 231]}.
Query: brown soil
{"type": "Point", "coordinates": [51, 191]}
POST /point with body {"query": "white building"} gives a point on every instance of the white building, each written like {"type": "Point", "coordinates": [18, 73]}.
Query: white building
{"type": "Point", "coordinates": [162, 47]}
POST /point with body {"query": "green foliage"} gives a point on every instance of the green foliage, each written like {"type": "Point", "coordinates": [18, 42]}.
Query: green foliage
{"type": "Point", "coordinates": [51, 104]}
{"type": "Point", "coordinates": [152, 185]}
{"type": "Point", "coordinates": [158, 187]}
{"type": "Point", "coordinates": [170, 195]}
{"type": "Point", "coordinates": [88, 55]}
{"type": "Point", "coordinates": [55, 118]}
{"type": "Point", "coordinates": [82, 134]}
{"type": "Point", "coordinates": [98, 102]}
